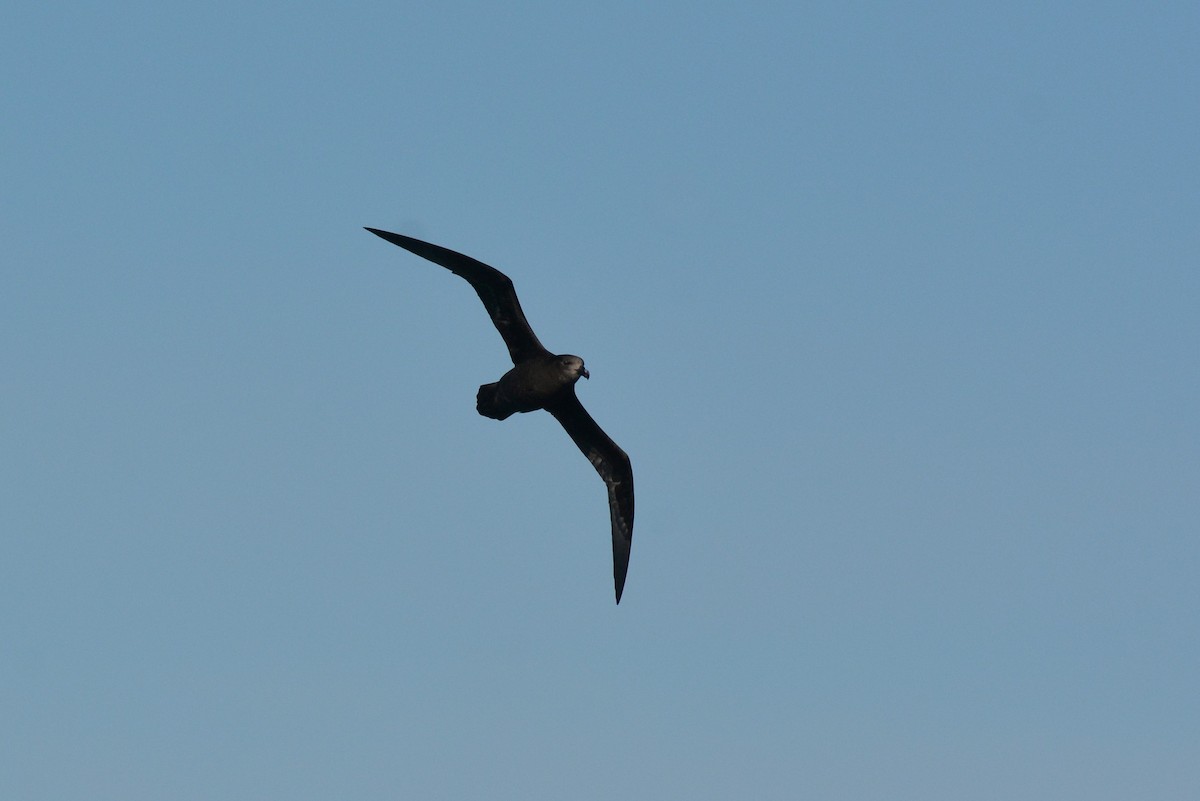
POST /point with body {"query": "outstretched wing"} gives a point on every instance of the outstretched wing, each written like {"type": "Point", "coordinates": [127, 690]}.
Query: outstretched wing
{"type": "Point", "coordinates": [494, 288]}
{"type": "Point", "coordinates": [613, 466]}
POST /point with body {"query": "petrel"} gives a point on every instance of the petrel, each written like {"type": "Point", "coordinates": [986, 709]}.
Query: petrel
{"type": "Point", "coordinates": [540, 379]}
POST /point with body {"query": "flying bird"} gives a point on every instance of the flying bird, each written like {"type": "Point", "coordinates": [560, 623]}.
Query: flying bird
{"type": "Point", "coordinates": [540, 379]}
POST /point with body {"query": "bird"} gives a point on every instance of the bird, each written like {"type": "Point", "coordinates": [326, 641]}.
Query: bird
{"type": "Point", "coordinates": [540, 379]}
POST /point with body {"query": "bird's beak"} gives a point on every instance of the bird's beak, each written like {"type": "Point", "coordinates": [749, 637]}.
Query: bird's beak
{"type": "Point", "coordinates": [583, 372]}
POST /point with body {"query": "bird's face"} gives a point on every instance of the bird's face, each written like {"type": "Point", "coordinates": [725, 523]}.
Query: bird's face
{"type": "Point", "coordinates": [573, 367]}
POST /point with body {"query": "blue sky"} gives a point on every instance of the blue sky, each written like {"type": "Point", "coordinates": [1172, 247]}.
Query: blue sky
{"type": "Point", "coordinates": [893, 306]}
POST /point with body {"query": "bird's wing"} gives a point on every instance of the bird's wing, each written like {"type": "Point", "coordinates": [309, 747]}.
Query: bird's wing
{"type": "Point", "coordinates": [613, 466]}
{"type": "Point", "coordinates": [494, 288]}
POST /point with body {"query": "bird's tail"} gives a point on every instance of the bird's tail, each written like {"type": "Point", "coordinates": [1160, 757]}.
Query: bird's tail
{"type": "Point", "coordinates": [488, 404]}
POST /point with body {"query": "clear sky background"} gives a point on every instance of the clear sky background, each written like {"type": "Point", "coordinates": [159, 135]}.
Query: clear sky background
{"type": "Point", "coordinates": [895, 307]}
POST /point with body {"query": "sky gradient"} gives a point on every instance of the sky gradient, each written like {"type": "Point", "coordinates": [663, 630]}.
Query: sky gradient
{"type": "Point", "coordinates": [893, 307]}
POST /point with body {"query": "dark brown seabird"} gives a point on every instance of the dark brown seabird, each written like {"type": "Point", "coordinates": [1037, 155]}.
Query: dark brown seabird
{"type": "Point", "coordinates": [540, 380]}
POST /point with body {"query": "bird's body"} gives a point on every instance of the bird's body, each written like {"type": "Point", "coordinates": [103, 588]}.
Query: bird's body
{"type": "Point", "coordinates": [531, 385]}
{"type": "Point", "coordinates": [540, 379]}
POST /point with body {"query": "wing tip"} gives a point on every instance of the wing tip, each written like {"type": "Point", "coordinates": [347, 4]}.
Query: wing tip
{"type": "Point", "coordinates": [619, 579]}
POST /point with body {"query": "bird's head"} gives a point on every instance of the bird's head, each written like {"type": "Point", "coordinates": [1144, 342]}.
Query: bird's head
{"type": "Point", "coordinates": [573, 367]}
